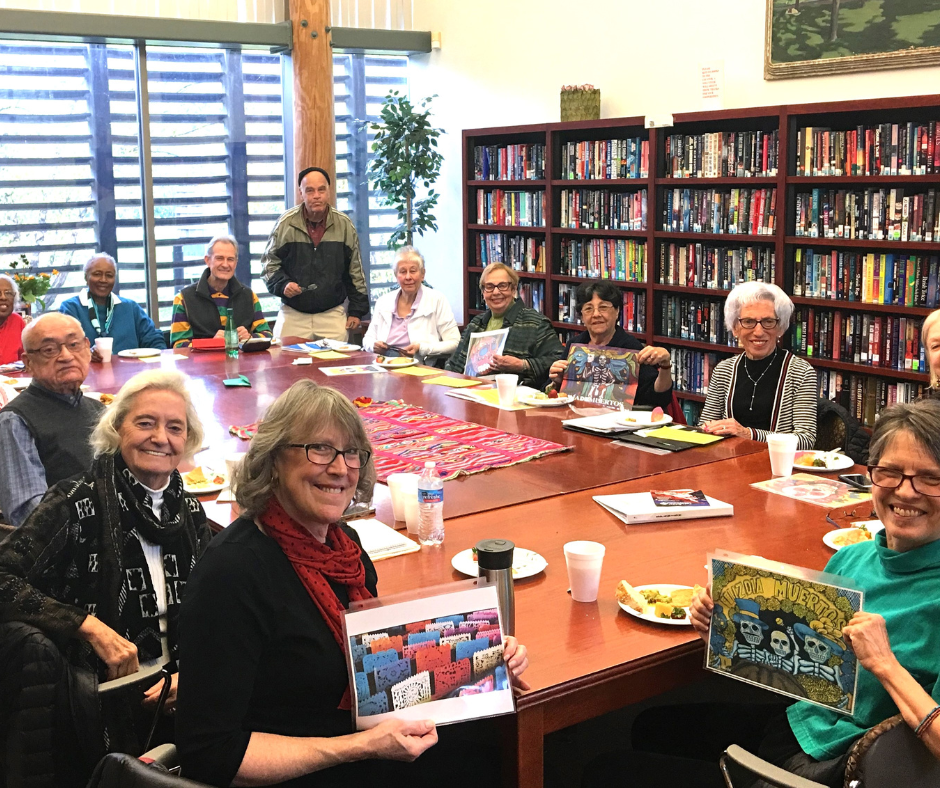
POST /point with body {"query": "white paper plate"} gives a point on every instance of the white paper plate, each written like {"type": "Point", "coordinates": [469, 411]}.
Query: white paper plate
{"type": "Point", "coordinates": [17, 383]}
{"type": "Point", "coordinates": [139, 352]}
{"type": "Point", "coordinates": [208, 488]}
{"type": "Point", "coordinates": [830, 538]}
{"type": "Point", "coordinates": [402, 362]}
{"type": "Point", "coordinates": [663, 588]}
{"type": "Point", "coordinates": [641, 420]}
{"type": "Point", "coordinates": [525, 563]}
{"type": "Point", "coordinates": [96, 395]}
{"type": "Point", "coordinates": [544, 403]}
{"type": "Point", "coordinates": [842, 463]}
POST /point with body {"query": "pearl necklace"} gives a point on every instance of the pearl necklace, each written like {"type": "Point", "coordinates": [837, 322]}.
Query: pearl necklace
{"type": "Point", "coordinates": [759, 378]}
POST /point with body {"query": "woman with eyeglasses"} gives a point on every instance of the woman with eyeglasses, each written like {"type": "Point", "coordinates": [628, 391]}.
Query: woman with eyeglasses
{"type": "Point", "coordinates": [11, 324]}
{"type": "Point", "coordinates": [265, 696]}
{"type": "Point", "coordinates": [930, 338]}
{"type": "Point", "coordinates": [599, 304]}
{"type": "Point", "coordinates": [766, 388]}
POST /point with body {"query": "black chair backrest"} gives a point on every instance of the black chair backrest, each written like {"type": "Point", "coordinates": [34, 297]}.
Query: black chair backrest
{"type": "Point", "coordinates": [124, 771]}
{"type": "Point", "coordinates": [897, 758]}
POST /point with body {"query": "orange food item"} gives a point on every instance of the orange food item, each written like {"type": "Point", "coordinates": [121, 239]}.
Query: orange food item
{"type": "Point", "coordinates": [657, 414]}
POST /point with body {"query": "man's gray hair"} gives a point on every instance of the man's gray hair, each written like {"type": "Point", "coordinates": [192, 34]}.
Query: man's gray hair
{"type": "Point", "coordinates": [301, 414]}
{"type": "Point", "coordinates": [405, 252]}
{"type": "Point", "coordinates": [921, 420]}
{"type": "Point", "coordinates": [96, 257]}
{"type": "Point", "coordinates": [33, 326]}
{"type": "Point", "coordinates": [106, 438]}
{"type": "Point", "coordinates": [224, 239]}
{"type": "Point", "coordinates": [16, 289]}
{"type": "Point", "coordinates": [752, 292]}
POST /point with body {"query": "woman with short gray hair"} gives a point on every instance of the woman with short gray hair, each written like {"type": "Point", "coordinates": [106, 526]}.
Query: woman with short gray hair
{"type": "Point", "coordinates": [766, 388]}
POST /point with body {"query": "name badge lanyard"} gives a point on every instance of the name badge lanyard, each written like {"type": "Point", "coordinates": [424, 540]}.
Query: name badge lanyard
{"type": "Point", "coordinates": [93, 317]}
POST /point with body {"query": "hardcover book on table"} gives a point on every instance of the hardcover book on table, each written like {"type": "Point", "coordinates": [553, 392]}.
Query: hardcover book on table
{"type": "Point", "coordinates": [650, 507]}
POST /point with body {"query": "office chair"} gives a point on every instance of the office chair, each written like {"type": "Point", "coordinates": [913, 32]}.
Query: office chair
{"type": "Point", "coordinates": [117, 770]}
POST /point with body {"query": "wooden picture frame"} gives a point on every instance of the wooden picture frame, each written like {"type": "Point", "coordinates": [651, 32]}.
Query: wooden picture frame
{"type": "Point", "coordinates": [806, 24]}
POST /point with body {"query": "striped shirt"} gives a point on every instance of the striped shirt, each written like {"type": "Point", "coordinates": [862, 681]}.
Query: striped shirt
{"type": "Point", "coordinates": [181, 332]}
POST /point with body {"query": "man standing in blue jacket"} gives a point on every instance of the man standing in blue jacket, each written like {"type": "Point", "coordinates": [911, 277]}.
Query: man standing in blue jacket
{"type": "Point", "coordinates": [312, 263]}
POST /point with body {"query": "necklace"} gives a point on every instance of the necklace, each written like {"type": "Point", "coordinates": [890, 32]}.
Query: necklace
{"type": "Point", "coordinates": [759, 377]}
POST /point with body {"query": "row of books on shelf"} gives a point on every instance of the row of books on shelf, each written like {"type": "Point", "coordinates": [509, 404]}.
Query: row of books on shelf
{"type": "Point", "coordinates": [859, 338]}
{"type": "Point", "coordinates": [715, 267]}
{"type": "Point", "coordinates": [511, 208]}
{"type": "Point", "coordinates": [694, 319]}
{"type": "Point", "coordinates": [722, 154]}
{"type": "Point", "coordinates": [899, 279]}
{"type": "Point", "coordinates": [738, 211]}
{"type": "Point", "coordinates": [632, 314]}
{"type": "Point", "coordinates": [532, 294]}
{"type": "Point", "coordinates": [605, 159]}
{"type": "Point", "coordinates": [885, 149]}
{"type": "Point", "coordinates": [519, 252]}
{"type": "Point", "coordinates": [872, 214]}
{"type": "Point", "coordinates": [620, 259]}
{"type": "Point", "coordinates": [691, 369]}
{"type": "Point", "coordinates": [524, 162]}
{"type": "Point", "coordinates": [599, 209]}
{"type": "Point", "coordinates": [866, 396]}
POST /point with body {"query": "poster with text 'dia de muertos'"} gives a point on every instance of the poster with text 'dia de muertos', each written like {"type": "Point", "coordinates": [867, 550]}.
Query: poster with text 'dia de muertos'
{"type": "Point", "coordinates": [780, 627]}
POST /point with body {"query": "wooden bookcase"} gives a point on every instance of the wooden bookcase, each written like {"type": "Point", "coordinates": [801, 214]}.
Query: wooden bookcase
{"type": "Point", "coordinates": [861, 384]}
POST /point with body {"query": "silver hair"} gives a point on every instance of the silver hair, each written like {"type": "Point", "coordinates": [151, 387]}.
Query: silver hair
{"type": "Point", "coordinates": [223, 239]}
{"type": "Point", "coordinates": [16, 289]}
{"type": "Point", "coordinates": [44, 318]}
{"type": "Point", "coordinates": [921, 420]}
{"type": "Point", "coordinates": [930, 323]}
{"type": "Point", "coordinates": [408, 251]}
{"type": "Point", "coordinates": [299, 415]}
{"type": "Point", "coordinates": [752, 292]}
{"type": "Point", "coordinates": [99, 256]}
{"type": "Point", "coordinates": [106, 437]}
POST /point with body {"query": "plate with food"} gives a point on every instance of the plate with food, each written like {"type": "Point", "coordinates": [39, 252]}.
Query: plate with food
{"type": "Point", "coordinates": [139, 352]}
{"type": "Point", "coordinates": [104, 399]}
{"type": "Point", "coordinates": [843, 537]}
{"type": "Point", "coordinates": [203, 480]}
{"type": "Point", "coordinates": [525, 563]}
{"type": "Point", "coordinates": [395, 362]}
{"type": "Point", "coordinates": [661, 603]}
{"type": "Point", "coordinates": [542, 400]}
{"type": "Point", "coordinates": [822, 461]}
{"type": "Point", "coordinates": [642, 419]}
{"type": "Point", "coordinates": [17, 383]}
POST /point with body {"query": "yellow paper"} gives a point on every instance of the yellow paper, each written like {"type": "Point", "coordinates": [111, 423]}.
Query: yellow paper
{"type": "Point", "coordinates": [491, 397]}
{"type": "Point", "coordinates": [328, 354]}
{"type": "Point", "coordinates": [454, 383]}
{"type": "Point", "coordinates": [686, 436]}
{"type": "Point", "coordinates": [418, 372]}
{"type": "Point", "coordinates": [163, 357]}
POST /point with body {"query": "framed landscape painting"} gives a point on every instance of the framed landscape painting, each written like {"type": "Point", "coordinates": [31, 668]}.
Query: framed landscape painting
{"type": "Point", "coordinates": [816, 37]}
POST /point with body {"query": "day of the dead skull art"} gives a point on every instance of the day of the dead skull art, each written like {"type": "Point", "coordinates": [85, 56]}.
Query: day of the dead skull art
{"type": "Point", "coordinates": [780, 643]}
{"type": "Point", "coordinates": [751, 631]}
{"type": "Point", "coordinates": [816, 649]}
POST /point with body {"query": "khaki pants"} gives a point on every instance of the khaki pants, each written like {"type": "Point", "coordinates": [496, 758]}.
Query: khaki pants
{"type": "Point", "coordinates": [321, 325]}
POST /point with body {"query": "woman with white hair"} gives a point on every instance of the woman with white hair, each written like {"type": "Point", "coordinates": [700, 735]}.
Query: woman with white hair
{"type": "Point", "coordinates": [96, 573]}
{"type": "Point", "coordinates": [766, 388]}
{"type": "Point", "coordinates": [930, 337]}
{"type": "Point", "coordinates": [103, 314]}
{"type": "Point", "coordinates": [11, 324]}
{"type": "Point", "coordinates": [414, 320]}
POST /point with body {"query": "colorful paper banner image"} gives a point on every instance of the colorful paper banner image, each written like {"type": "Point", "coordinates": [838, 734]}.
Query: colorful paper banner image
{"type": "Point", "coordinates": [405, 437]}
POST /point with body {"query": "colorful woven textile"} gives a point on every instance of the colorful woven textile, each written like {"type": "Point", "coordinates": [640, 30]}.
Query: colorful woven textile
{"type": "Point", "coordinates": [405, 437]}
{"type": "Point", "coordinates": [246, 433]}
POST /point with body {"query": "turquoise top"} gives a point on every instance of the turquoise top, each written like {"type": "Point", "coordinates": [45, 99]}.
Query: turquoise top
{"type": "Point", "coordinates": [901, 587]}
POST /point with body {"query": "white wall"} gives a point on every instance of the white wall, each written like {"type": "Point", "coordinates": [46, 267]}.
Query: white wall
{"type": "Point", "coordinates": [504, 61]}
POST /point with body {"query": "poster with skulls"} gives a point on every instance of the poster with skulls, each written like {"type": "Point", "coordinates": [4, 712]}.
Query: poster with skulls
{"type": "Point", "coordinates": [602, 375]}
{"type": "Point", "coordinates": [780, 627]}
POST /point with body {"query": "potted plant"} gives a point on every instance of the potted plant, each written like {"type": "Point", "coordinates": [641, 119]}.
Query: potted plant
{"type": "Point", "coordinates": [406, 158]}
{"type": "Point", "coordinates": [32, 286]}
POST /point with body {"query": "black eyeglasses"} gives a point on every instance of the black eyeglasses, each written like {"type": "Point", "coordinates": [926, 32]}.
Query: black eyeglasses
{"type": "Point", "coordinates": [324, 454]}
{"type": "Point", "coordinates": [891, 479]}
{"type": "Point", "coordinates": [503, 287]}
{"type": "Point", "coordinates": [765, 322]}
{"type": "Point", "coordinates": [54, 349]}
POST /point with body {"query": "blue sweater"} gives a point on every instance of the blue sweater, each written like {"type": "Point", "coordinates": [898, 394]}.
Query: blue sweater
{"type": "Point", "coordinates": [130, 326]}
{"type": "Point", "coordinates": [901, 587]}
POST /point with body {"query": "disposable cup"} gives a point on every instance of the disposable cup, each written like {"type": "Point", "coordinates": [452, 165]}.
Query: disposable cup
{"type": "Point", "coordinates": [506, 386]}
{"type": "Point", "coordinates": [584, 561]}
{"type": "Point", "coordinates": [782, 447]}
{"type": "Point", "coordinates": [231, 464]}
{"type": "Point", "coordinates": [403, 488]}
{"type": "Point", "coordinates": [104, 346]}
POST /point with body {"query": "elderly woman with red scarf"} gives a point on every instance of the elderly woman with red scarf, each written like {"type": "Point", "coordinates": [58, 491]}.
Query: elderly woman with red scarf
{"type": "Point", "coordinates": [264, 696]}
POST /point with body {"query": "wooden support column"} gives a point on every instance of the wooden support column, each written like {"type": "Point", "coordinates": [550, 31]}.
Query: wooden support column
{"type": "Point", "coordinates": [312, 56]}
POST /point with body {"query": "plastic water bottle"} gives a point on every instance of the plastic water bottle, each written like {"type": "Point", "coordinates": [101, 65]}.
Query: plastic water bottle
{"type": "Point", "coordinates": [430, 506]}
{"type": "Point", "coordinates": [231, 335]}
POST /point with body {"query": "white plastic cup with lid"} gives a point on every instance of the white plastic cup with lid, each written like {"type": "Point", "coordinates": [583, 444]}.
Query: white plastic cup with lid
{"type": "Point", "coordinates": [782, 448]}
{"type": "Point", "coordinates": [104, 346]}
{"type": "Point", "coordinates": [584, 561]}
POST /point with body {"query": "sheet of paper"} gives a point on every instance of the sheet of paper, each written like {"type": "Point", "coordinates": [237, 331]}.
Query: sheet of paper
{"type": "Point", "coordinates": [355, 369]}
{"type": "Point", "coordinates": [454, 383]}
{"type": "Point", "coordinates": [418, 372]}
{"type": "Point", "coordinates": [488, 397]}
{"type": "Point", "coordinates": [380, 541]}
{"type": "Point", "coordinates": [163, 357]}
{"type": "Point", "coordinates": [686, 436]}
{"type": "Point", "coordinates": [328, 354]}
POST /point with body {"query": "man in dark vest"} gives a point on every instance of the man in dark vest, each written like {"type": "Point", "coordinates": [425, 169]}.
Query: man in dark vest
{"type": "Point", "coordinates": [44, 432]}
{"type": "Point", "coordinates": [197, 308]}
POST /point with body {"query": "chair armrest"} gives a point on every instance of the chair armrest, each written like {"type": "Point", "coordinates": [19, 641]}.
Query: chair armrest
{"type": "Point", "coordinates": [763, 769]}
{"type": "Point", "coordinates": [164, 755]}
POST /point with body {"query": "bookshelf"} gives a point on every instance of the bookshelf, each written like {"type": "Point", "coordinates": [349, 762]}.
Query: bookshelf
{"type": "Point", "coordinates": [806, 196]}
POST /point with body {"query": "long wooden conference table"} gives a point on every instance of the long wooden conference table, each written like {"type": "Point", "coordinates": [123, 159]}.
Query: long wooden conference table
{"type": "Point", "coordinates": [585, 659]}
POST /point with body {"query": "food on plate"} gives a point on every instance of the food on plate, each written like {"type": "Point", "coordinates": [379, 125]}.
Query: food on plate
{"type": "Point", "coordinates": [653, 602]}
{"type": "Point", "coordinates": [629, 596]}
{"type": "Point", "coordinates": [553, 394]}
{"type": "Point", "coordinates": [852, 536]}
{"type": "Point", "coordinates": [657, 414]}
{"type": "Point", "coordinates": [667, 610]}
{"type": "Point", "coordinates": [106, 399]}
{"type": "Point", "coordinates": [380, 359]}
{"type": "Point", "coordinates": [197, 478]}
{"type": "Point", "coordinates": [540, 395]}
{"type": "Point", "coordinates": [820, 459]}
{"type": "Point", "coordinates": [682, 597]}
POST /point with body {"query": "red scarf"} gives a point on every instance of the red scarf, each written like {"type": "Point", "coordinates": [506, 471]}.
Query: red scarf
{"type": "Point", "coordinates": [339, 559]}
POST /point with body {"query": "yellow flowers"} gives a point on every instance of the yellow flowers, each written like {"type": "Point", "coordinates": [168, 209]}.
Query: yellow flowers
{"type": "Point", "coordinates": [32, 286]}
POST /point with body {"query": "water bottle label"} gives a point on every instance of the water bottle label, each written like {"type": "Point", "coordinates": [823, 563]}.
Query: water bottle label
{"type": "Point", "coordinates": [430, 496]}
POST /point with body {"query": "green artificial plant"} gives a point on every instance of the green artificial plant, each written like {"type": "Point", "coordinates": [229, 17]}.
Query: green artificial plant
{"type": "Point", "coordinates": [406, 157]}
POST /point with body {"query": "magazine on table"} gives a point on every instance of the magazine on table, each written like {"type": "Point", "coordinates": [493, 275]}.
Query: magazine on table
{"type": "Point", "coordinates": [602, 375]}
{"type": "Point", "coordinates": [481, 350]}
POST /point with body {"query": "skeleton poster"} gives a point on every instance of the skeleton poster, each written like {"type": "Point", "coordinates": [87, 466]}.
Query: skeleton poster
{"type": "Point", "coordinates": [602, 375]}
{"type": "Point", "coordinates": [780, 627]}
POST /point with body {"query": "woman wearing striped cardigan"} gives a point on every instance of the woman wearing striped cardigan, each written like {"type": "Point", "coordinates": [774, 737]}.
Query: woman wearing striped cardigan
{"type": "Point", "coordinates": [766, 388]}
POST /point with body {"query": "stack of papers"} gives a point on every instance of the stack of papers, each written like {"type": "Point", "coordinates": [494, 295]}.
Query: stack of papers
{"type": "Point", "coordinates": [641, 508]}
{"type": "Point", "coordinates": [379, 541]}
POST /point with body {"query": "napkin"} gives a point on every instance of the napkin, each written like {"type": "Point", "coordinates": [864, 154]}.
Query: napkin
{"type": "Point", "coordinates": [303, 362]}
{"type": "Point", "coordinates": [454, 383]}
{"type": "Point", "coordinates": [328, 354]}
{"type": "Point", "coordinates": [418, 372]}
{"type": "Point", "coordinates": [241, 380]}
